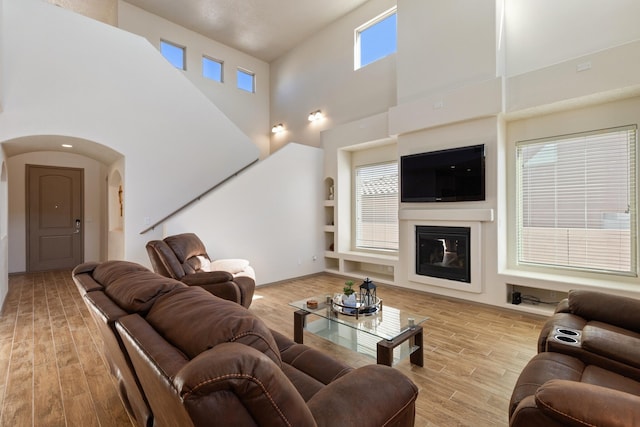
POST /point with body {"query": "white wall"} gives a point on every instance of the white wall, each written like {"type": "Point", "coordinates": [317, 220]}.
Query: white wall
{"type": "Point", "coordinates": [94, 208]}
{"type": "Point", "coordinates": [319, 74]}
{"type": "Point", "coordinates": [4, 252]}
{"type": "Point", "coordinates": [1, 57]}
{"type": "Point", "coordinates": [102, 10]}
{"type": "Point", "coordinates": [249, 111]}
{"type": "Point", "coordinates": [444, 45]}
{"type": "Point", "coordinates": [546, 32]}
{"type": "Point", "coordinates": [270, 214]}
{"type": "Point", "coordinates": [4, 239]}
{"type": "Point", "coordinates": [105, 85]}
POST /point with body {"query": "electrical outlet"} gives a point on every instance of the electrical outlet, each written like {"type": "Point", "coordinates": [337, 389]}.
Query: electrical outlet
{"type": "Point", "coordinates": [584, 66]}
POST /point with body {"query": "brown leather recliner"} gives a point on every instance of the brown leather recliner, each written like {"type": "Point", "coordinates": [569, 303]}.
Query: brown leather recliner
{"type": "Point", "coordinates": [184, 257]}
{"type": "Point", "coordinates": [201, 360]}
{"type": "Point", "coordinates": [559, 390]}
{"type": "Point", "coordinates": [587, 371]}
{"type": "Point", "coordinates": [598, 328]}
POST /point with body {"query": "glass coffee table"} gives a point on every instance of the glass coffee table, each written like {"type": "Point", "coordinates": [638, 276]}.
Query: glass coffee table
{"type": "Point", "coordinates": [380, 331]}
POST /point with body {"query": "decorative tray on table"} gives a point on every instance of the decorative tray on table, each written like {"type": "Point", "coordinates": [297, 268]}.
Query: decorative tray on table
{"type": "Point", "coordinates": [341, 305]}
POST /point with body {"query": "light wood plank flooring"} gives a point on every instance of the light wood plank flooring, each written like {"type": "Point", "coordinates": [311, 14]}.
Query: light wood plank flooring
{"type": "Point", "coordinates": [52, 372]}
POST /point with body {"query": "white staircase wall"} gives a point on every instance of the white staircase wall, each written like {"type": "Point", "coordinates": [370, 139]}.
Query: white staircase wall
{"type": "Point", "coordinates": [270, 214]}
{"type": "Point", "coordinates": [65, 74]}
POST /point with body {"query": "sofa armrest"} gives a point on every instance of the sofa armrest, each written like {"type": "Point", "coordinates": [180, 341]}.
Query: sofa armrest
{"type": "Point", "coordinates": [250, 386]}
{"type": "Point", "coordinates": [226, 290]}
{"type": "Point", "coordinates": [341, 402]}
{"type": "Point", "coordinates": [571, 403]}
{"type": "Point", "coordinates": [316, 364]}
{"type": "Point", "coordinates": [612, 343]}
{"type": "Point", "coordinates": [616, 310]}
{"type": "Point", "coordinates": [563, 306]}
{"type": "Point", "coordinates": [247, 287]}
{"type": "Point", "coordinates": [207, 278]}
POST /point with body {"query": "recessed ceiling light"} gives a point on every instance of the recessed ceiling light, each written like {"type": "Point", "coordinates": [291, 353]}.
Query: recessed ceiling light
{"type": "Point", "coordinates": [67, 145]}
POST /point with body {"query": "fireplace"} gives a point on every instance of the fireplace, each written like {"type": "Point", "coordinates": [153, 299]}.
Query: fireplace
{"type": "Point", "coordinates": [443, 252]}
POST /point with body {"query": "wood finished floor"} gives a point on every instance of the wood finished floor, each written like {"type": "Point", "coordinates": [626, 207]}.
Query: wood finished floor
{"type": "Point", "coordinates": [52, 372]}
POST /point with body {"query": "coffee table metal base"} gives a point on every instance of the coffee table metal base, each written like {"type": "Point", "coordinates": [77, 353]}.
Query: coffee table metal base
{"type": "Point", "coordinates": [384, 350]}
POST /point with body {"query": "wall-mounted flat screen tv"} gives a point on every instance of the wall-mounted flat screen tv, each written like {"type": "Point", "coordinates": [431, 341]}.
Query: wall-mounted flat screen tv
{"type": "Point", "coordinates": [453, 175]}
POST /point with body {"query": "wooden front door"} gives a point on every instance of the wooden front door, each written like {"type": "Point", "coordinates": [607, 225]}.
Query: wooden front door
{"type": "Point", "coordinates": [54, 217]}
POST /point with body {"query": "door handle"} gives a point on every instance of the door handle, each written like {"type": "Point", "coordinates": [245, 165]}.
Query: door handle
{"type": "Point", "coordinates": [78, 223]}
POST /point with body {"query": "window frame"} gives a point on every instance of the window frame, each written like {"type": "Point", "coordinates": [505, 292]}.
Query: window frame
{"type": "Point", "coordinates": [545, 144]}
{"type": "Point", "coordinates": [357, 55]}
{"type": "Point", "coordinates": [178, 46]}
{"type": "Point", "coordinates": [356, 209]}
{"type": "Point", "coordinates": [218, 61]}
{"type": "Point", "coordinates": [248, 73]}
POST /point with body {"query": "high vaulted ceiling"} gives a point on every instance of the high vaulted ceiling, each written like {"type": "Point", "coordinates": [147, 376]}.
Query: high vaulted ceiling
{"type": "Point", "coordinates": [264, 29]}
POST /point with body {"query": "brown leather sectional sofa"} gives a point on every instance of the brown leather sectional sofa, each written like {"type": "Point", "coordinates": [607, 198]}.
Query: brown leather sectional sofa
{"type": "Point", "coordinates": [587, 371]}
{"type": "Point", "coordinates": [183, 356]}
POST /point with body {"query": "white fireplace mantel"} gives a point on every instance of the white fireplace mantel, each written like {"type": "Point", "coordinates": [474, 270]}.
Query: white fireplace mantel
{"type": "Point", "coordinates": [480, 215]}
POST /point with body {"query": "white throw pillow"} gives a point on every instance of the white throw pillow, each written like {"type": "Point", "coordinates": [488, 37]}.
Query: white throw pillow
{"type": "Point", "coordinates": [233, 266]}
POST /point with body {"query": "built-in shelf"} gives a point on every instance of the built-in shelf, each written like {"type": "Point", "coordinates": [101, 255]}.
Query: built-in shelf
{"type": "Point", "coordinates": [377, 267]}
{"type": "Point", "coordinates": [329, 216]}
{"type": "Point", "coordinates": [531, 309]}
{"type": "Point", "coordinates": [534, 300]}
{"type": "Point", "coordinates": [359, 265]}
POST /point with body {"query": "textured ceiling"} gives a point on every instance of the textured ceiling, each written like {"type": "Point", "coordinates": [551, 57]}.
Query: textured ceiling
{"type": "Point", "coordinates": [265, 29]}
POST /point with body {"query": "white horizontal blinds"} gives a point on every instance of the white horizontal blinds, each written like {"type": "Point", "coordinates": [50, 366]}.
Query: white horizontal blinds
{"type": "Point", "coordinates": [577, 201]}
{"type": "Point", "coordinates": [377, 206]}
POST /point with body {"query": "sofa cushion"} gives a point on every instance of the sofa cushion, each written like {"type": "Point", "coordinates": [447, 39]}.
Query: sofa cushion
{"type": "Point", "coordinates": [219, 321]}
{"type": "Point", "coordinates": [132, 286]}
{"type": "Point", "coordinates": [109, 271]}
{"type": "Point", "coordinates": [597, 306]}
{"type": "Point", "coordinates": [185, 246]}
{"type": "Point", "coordinates": [612, 342]}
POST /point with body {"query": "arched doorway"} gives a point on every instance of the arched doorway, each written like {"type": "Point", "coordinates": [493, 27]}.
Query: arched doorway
{"type": "Point", "coordinates": [96, 160]}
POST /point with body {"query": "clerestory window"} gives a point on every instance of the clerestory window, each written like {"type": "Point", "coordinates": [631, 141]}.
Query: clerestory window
{"type": "Point", "coordinates": [376, 39]}
{"type": "Point", "coordinates": [246, 80]}
{"type": "Point", "coordinates": [174, 53]}
{"type": "Point", "coordinates": [212, 68]}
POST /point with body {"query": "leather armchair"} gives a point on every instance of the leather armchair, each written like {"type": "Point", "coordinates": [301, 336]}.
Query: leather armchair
{"type": "Point", "coordinates": [599, 329]}
{"type": "Point", "coordinates": [559, 390]}
{"type": "Point", "coordinates": [184, 257]}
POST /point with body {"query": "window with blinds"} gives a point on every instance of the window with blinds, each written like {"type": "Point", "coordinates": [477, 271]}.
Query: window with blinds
{"type": "Point", "coordinates": [376, 190]}
{"type": "Point", "coordinates": [577, 201]}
